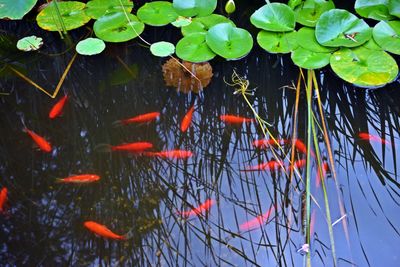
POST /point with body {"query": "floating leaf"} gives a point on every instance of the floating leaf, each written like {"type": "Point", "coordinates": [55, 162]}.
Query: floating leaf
{"type": "Point", "coordinates": [308, 59]}
{"type": "Point", "coordinates": [115, 27]}
{"type": "Point", "coordinates": [309, 11]}
{"type": "Point", "coordinates": [274, 17]}
{"type": "Point", "coordinates": [394, 8]}
{"type": "Point", "coordinates": [373, 9]}
{"type": "Point", "coordinates": [338, 27]}
{"type": "Point", "coordinates": [387, 35]}
{"type": "Point", "coordinates": [72, 16]}
{"type": "Point", "coordinates": [364, 67]}
{"type": "Point", "coordinates": [371, 44]}
{"type": "Point", "coordinates": [162, 49]}
{"type": "Point", "coordinates": [181, 21]}
{"type": "Point", "coordinates": [90, 46]}
{"type": "Point", "coordinates": [191, 8]}
{"type": "Point", "coordinates": [294, 3]}
{"type": "Point", "coordinates": [277, 42]}
{"type": "Point", "coordinates": [203, 24]}
{"type": "Point", "coordinates": [306, 39]}
{"type": "Point", "coordinates": [228, 41]}
{"type": "Point", "coordinates": [97, 8]}
{"type": "Point", "coordinates": [193, 48]}
{"type": "Point", "coordinates": [157, 13]}
{"type": "Point", "coordinates": [15, 9]}
{"type": "Point", "coordinates": [30, 43]}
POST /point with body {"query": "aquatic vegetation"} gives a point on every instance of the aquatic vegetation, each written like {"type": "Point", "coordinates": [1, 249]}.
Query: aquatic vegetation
{"type": "Point", "coordinates": [90, 46]}
{"type": "Point", "coordinates": [157, 13]}
{"type": "Point", "coordinates": [162, 49]}
{"type": "Point", "coordinates": [98, 8]}
{"type": "Point", "coordinates": [275, 17]}
{"type": "Point", "coordinates": [193, 48]}
{"type": "Point", "coordinates": [203, 24]}
{"type": "Point", "coordinates": [194, 7]}
{"type": "Point", "coordinates": [15, 9]}
{"type": "Point", "coordinates": [376, 9]}
{"type": "Point", "coordinates": [230, 7]}
{"type": "Point", "coordinates": [278, 42]}
{"type": "Point", "coordinates": [386, 35]}
{"type": "Point", "coordinates": [309, 11]}
{"type": "Point", "coordinates": [177, 75]}
{"type": "Point", "coordinates": [29, 43]}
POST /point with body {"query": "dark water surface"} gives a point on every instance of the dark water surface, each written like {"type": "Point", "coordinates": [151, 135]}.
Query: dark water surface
{"type": "Point", "coordinates": [141, 195]}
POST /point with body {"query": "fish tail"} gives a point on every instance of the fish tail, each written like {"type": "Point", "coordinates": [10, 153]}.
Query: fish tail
{"type": "Point", "coordinates": [117, 123]}
{"type": "Point", "coordinates": [128, 235]}
{"type": "Point", "coordinates": [103, 148]}
{"type": "Point", "coordinates": [60, 181]}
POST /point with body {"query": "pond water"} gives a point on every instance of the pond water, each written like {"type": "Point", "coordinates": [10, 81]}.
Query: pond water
{"type": "Point", "coordinates": [145, 195]}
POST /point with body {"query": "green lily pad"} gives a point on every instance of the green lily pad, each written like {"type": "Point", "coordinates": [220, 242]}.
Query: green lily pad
{"type": "Point", "coordinates": [162, 49]}
{"type": "Point", "coordinates": [387, 35]}
{"type": "Point", "coordinates": [97, 8]}
{"type": "Point", "coordinates": [15, 9]}
{"type": "Point", "coordinates": [373, 9]}
{"type": "Point", "coordinates": [274, 17]}
{"type": "Point", "coordinates": [294, 3]}
{"type": "Point", "coordinates": [308, 59]}
{"type": "Point", "coordinates": [72, 15]}
{"type": "Point", "coordinates": [30, 43]}
{"type": "Point", "coordinates": [193, 48]}
{"type": "Point", "coordinates": [157, 13]}
{"type": "Point", "coordinates": [191, 8]}
{"type": "Point", "coordinates": [90, 46]}
{"type": "Point", "coordinates": [278, 42]}
{"type": "Point", "coordinates": [371, 44]}
{"type": "Point", "coordinates": [181, 21]}
{"type": "Point", "coordinates": [114, 27]}
{"type": "Point", "coordinates": [306, 39]}
{"type": "Point", "coordinates": [309, 11]}
{"type": "Point", "coordinates": [394, 8]}
{"type": "Point", "coordinates": [203, 24]}
{"type": "Point", "coordinates": [364, 67]}
{"type": "Point", "coordinates": [338, 27]}
{"type": "Point", "coordinates": [228, 41]}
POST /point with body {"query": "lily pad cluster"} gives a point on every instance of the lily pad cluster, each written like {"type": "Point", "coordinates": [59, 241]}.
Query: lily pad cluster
{"type": "Point", "coordinates": [335, 37]}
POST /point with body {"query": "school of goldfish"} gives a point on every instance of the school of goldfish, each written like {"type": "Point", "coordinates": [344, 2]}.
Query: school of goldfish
{"type": "Point", "coordinates": [144, 149]}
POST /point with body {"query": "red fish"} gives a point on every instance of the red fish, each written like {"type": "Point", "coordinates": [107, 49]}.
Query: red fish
{"type": "Point", "coordinates": [298, 164]}
{"type": "Point", "coordinates": [174, 154]}
{"type": "Point", "coordinates": [58, 107]}
{"type": "Point", "coordinates": [80, 179]}
{"type": "Point", "coordinates": [235, 119]}
{"type": "Point", "coordinates": [102, 230]}
{"type": "Point", "coordinates": [325, 170]}
{"type": "Point", "coordinates": [263, 143]}
{"type": "Point", "coordinates": [302, 147]}
{"type": "Point", "coordinates": [132, 147]}
{"type": "Point", "coordinates": [187, 120]}
{"type": "Point", "coordinates": [147, 117]}
{"type": "Point", "coordinates": [3, 199]}
{"type": "Point", "coordinates": [373, 138]}
{"type": "Point", "coordinates": [270, 165]}
{"type": "Point", "coordinates": [257, 221]}
{"type": "Point", "coordinates": [40, 141]}
{"type": "Point", "coordinates": [199, 210]}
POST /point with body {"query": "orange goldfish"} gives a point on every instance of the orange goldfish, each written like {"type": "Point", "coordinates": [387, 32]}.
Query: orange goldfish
{"type": "Point", "coordinates": [302, 147]}
{"type": "Point", "coordinates": [270, 165]}
{"type": "Point", "coordinates": [373, 138]}
{"type": "Point", "coordinates": [187, 120]}
{"type": "Point", "coordinates": [40, 141]}
{"type": "Point", "coordinates": [80, 179]}
{"type": "Point", "coordinates": [102, 230]}
{"type": "Point", "coordinates": [298, 164]}
{"type": "Point", "coordinates": [3, 199]}
{"type": "Point", "coordinates": [263, 143]}
{"type": "Point", "coordinates": [175, 154]}
{"type": "Point", "coordinates": [132, 147]}
{"type": "Point", "coordinates": [233, 119]}
{"type": "Point", "coordinates": [58, 107]}
{"type": "Point", "coordinates": [143, 118]}
{"type": "Point", "coordinates": [199, 210]}
{"type": "Point", "coordinates": [257, 221]}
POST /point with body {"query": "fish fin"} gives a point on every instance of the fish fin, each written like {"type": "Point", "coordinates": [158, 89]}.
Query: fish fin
{"type": "Point", "coordinates": [104, 148]}
{"type": "Point", "coordinates": [117, 123]}
{"type": "Point", "coordinates": [59, 181]}
{"type": "Point", "coordinates": [128, 235]}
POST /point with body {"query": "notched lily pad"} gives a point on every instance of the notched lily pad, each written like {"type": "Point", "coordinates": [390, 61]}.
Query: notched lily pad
{"type": "Point", "coordinates": [157, 13]}
{"type": "Point", "coordinates": [274, 17]}
{"type": "Point", "coordinates": [72, 14]}
{"type": "Point", "coordinates": [162, 49]}
{"type": "Point", "coordinates": [364, 67]}
{"type": "Point", "coordinates": [338, 27]}
{"type": "Point", "coordinates": [15, 9]}
{"type": "Point", "coordinates": [309, 11]}
{"type": "Point", "coordinates": [181, 22]}
{"type": "Point", "coordinates": [228, 41]}
{"type": "Point", "coordinates": [308, 59]}
{"type": "Point", "coordinates": [97, 8]}
{"type": "Point", "coordinates": [277, 42]}
{"type": "Point", "coordinates": [193, 48]}
{"type": "Point", "coordinates": [387, 35]}
{"type": "Point", "coordinates": [115, 27]}
{"type": "Point", "coordinates": [191, 8]}
{"type": "Point", "coordinates": [373, 9]}
{"type": "Point", "coordinates": [306, 39]}
{"type": "Point", "coordinates": [90, 46]}
{"type": "Point", "coordinates": [30, 43]}
{"type": "Point", "coordinates": [203, 24]}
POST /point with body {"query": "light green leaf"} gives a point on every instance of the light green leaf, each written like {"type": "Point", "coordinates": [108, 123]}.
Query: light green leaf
{"type": "Point", "coordinates": [90, 46]}
{"type": "Point", "coordinates": [274, 17]}
{"type": "Point", "coordinates": [387, 35]}
{"type": "Point", "coordinates": [15, 9]}
{"type": "Point", "coordinates": [193, 48]}
{"type": "Point", "coordinates": [308, 59]}
{"type": "Point", "coordinates": [277, 42]}
{"type": "Point", "coordinates": [203, 24]}
{"type": "Point", "coordinates": [162, 49]}
{"type": "Point", "coordinates": [373, 9]}
{"type": "Point", "coordinates": [30, 43]}
{"type": "Point", "coordinates": [97, 8]}
{"type": "Point", "coordinates": [157, 13]}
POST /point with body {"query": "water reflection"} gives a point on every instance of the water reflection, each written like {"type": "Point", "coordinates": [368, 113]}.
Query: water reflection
{"type": "Point", "coordinates": [144, 195]}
